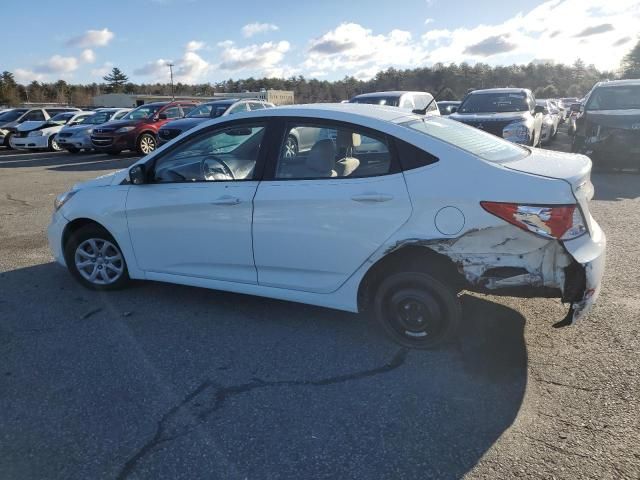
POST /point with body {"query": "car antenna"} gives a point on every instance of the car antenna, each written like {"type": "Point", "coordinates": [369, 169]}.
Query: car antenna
{"type": "Point", "coordinates": [423, 111]}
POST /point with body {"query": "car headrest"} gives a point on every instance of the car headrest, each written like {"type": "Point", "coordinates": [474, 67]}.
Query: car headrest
{"type": "Point", "coordinates": [347, 139]}
{"type": "Point", "coordinates": [322, 157]}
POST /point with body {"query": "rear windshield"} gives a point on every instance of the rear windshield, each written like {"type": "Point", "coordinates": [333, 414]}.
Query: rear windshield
{"type": "Point", "coordinates": [376, 100]}
{"type": "Point", "coordinates": [479, 143]}
{"type": "Point", "coordinates": [615, 98]}
{"type": "Point", "coordinates": [494, 102]}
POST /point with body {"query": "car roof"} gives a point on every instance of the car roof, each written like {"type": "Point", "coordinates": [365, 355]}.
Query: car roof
{"type": "Point", "coordinates": [618, 83]}
{"type": "Point", "coordinates": [350, 112]}
{"type": "Point", "coordinates": [500, 90]}
{"type": "Point", "coordinates": [390, 93]}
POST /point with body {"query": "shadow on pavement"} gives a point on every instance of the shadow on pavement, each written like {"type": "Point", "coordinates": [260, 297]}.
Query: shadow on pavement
{"type": "Point", "coordinates": [616, 186]}
{"type": "Point", "coordinates": [66, 162]}
{"type": "Point", "coordinates": [159, 380]}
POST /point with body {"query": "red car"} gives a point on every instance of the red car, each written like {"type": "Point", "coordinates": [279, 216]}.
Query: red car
{"type": "Point", "coordinates": [137, 130]}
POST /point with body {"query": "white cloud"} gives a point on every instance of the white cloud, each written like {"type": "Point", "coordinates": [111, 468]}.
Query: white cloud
{"type": "Point", "coordinates": [24, 76]}
{"type": "Point", "coordinates": [194, 46]}
{"type": "Point", "coordinates": [255, 28]}
{"type": "Point", "coordinates": [88, 56]}
{"type": "Point", "coordinates": [351, 47]}
{"type": "Point", "coordinates": [264, 59]}
{"type": "Point", "coordinates": [92, 38]}
{"type": "Point", "coordinates": [103, 70]}
{"type": "Point", "coordinates": [190, 68]}
{"type": "Point", "coordinates": [58, 65]}
{"type": "Point", "coordinates": [427, 21]}
{"type": "Point", "coordinates": [593, 34]}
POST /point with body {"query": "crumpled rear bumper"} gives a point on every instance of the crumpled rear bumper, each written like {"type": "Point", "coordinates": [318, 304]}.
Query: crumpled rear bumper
{"type": "Point", "coordinates": [590, 252]}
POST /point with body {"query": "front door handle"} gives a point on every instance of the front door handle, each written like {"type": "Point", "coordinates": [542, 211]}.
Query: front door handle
{"type": "Point", "coordinates": [372, 198]}
{"type": "Point", "coordinates": [226, 200]}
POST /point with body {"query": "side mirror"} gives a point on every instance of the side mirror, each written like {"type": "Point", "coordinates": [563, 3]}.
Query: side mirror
{"type": "Point", "coordinates": [137, 175]}
{"type": "Point", "coordinates": [162, 116]}
{"type": "Point", "coordinates": [538, 109]}
{"type": "Point", "coordinates": [576, 107]}
{"type": "Point", "coordinates": [453, 109]}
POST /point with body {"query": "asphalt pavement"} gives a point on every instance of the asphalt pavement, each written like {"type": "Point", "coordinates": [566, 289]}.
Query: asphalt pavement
{"type": "Point", "coordinates": [162, 381]}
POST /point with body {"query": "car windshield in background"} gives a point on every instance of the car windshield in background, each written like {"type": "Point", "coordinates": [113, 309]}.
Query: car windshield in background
{"type": "Point", "coordinates": [494, 102]}
{"type": "Point", "coordinates": [615, 98]}
{"type": "Point", "coordinates": [11, 115]}
{"type": "Point", "coordinates": [98, 118]}
{"type": "Point", "coordinates": [201, 111]}
{"type": "Point", "coordinates": [381, 100]}
{"type": "Point", "coordinates": [145, 111]}
{"type": "Point", "coordinates": [479, 143]}
{"type": "Point", "coordinates": [61, 118]}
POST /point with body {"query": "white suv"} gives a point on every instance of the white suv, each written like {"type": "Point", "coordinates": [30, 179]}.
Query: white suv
{"type": "Point", "coordinates": [386, 213]}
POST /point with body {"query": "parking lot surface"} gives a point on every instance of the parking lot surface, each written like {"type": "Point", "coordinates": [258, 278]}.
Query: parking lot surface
{"type": "Point", "coordinates": [165, 381]}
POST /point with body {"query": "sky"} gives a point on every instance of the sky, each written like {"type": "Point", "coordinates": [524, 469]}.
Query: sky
{"type": "Point", "coordinates": [208, 41]}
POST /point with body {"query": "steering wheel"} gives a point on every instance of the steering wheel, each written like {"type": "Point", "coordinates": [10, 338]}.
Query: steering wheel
{"type": "Point", "coordinates": [210, 172]}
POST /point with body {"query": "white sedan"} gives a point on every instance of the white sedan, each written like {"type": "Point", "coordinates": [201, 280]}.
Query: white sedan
{"type": "Point", "coordinates": [387, 213]}
{"type": "Point", "coordinates": [37, 135]}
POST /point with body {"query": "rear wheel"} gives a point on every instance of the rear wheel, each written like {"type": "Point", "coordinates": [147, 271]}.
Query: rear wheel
{"type": "Point", "coordinates": [416, 310]}
{"type": "Point", "coordinates": [95, 259]}
{"type": "Point", "coordinates": [146, 143]}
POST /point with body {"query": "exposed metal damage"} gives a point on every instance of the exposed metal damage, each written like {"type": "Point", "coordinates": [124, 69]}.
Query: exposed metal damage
{"type": "Point", "coordinates": [505, 260]}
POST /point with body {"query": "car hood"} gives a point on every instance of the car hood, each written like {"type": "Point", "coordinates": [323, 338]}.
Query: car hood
{"type": "Point", "coordinates": [497, 116]}
{"type": "Point", "coordinates": [185, 123]}
{"type": "Point", "coordinates": [571, 167]}
{"type": "Point", "coordinates": [30, 125]}
{"type": "Point", "coordinates": [624, 119]}
{"type": "Point", "coordinates": [77, 128]}
{"type": "Point", "coordinates": [103, 180]}
{"type": "Point", "coordinates": [116, 124]}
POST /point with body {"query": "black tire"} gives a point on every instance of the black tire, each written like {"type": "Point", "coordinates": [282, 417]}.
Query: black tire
{"type": "Point", "coordinates": [73, 150]}
{"type": "Point", "coordinates": [146, 144]}
{"type": "Point", "coordinates": [7, 141]}
{"type": "Point", "coordinates": [53, 145]}
{"type": "Point", "coordinates": [106, 278]}
{"type": "Point", "coordinates": [416, 310]}
{"type": "Point", "coordinates": [112, 152]}
{"type": "Point", "coordinates": [291, 147]}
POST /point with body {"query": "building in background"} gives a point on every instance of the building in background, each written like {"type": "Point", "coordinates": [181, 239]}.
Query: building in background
{"type": "Point", "coordinates": [128, 100]}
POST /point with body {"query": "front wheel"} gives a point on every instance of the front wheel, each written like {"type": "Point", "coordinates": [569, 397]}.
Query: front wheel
{"type": "Point", "coordinates": [7, 141]}
{"type": "Point", "coordinates": [146, 143]}
{"type": "Point", "coordinates": [95, 259]}
{"type": "Point", "coordinates": [53, 145]}
{"type": "Point", "coordinates": [416, 310]}
{"type": "Point", "coordinates": [291, 147]}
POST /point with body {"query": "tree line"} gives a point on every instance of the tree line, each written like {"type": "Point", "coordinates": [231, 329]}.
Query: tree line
{"type": "Point", "coordinates": [453, 80]}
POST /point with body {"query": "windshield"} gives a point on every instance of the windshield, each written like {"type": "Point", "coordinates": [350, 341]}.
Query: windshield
{"type": "Point", "coordinates": [376, 100]}
{"type": "Point", "coordinates": [61, 118]}
{"type": "Point", "coordinates": [11, 115]}
{"type": "Point", "coordinates": [98, 118]}
{"type": "Point", "coordinates": [142, 112]}
{"type": "Point", "coordinates": [615, 98]}
{"type": "Point", "coordinates": [494, 103]}
{"type": "Point", "coordinates": [479, 143]}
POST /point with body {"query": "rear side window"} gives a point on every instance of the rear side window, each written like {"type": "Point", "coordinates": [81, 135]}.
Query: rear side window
{"type": "Point", "coordinates": [479, 143]}
{"type": "Point", "coordinates": [313, 151]}
{"type": "Point", "coordinates": [36, 115]}
{"type": "Point", "coordinates": [411, 157]}
{"type": "Point", "coordinates": [187, 108]}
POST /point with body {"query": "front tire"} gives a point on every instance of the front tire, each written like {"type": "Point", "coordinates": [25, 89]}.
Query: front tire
{"type": "Point", "coordinates": [291, 147]}
{"type": "Point", "coordinates": [95, 259]}
{"type": "Point", "coordinates": [53, 145]}
{"type": "Point", "coordinates": [146, 144]}
{"type": "Point", "coordinates": [416, 310]}
{"type": "Point", "coordinates": [7, 141]}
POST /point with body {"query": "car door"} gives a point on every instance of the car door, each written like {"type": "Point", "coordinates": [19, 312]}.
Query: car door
{"type": "Point", "coordinates": [320, 214]}
{"type": "Point", "coordinates": [193, 217]}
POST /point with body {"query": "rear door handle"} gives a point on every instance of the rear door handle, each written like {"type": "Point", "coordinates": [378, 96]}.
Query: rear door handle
{"type": "Point", "coordinates": [226, 200]}
{"type": "Point", "coordinates": [372, 198]}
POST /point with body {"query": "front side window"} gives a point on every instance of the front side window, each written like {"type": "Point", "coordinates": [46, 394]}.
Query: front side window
{"type": "Point", "coordinates": [36, 115]}
{"type": "Point", "coordinates": [312, 151]}
{"type": "Point", "coordinates": [173, 112]}
{"type": "Point", "coordinates": [225, 154]}
{"type": "Point", "coordinates": [475, 141]}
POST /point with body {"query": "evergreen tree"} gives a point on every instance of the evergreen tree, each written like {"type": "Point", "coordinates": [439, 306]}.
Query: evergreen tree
{"type": "Point", "coordinates": [116, 80]}
{"type": "Point", "coordinates": [631, 63]}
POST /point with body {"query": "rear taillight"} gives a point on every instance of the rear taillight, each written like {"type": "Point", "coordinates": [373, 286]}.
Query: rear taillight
{"type": "Point", "coordinates": [562, 222]}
